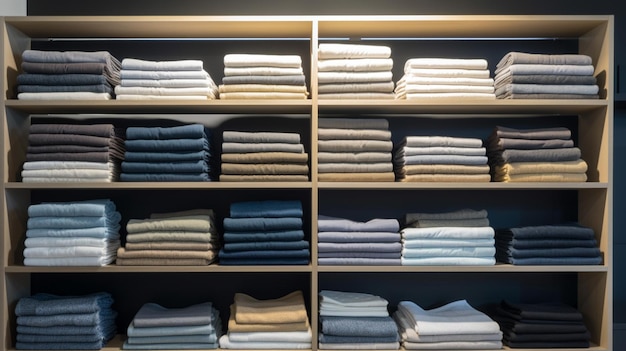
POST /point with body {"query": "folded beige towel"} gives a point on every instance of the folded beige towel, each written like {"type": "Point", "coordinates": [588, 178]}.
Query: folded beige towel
{"type": "Point", "coordinates": [543, 177]}
{"type": "Point", "coordinates": [444, 169]}
{"type": "Point", "coordinates": [287, 309]}
{"type": "Point", "coordinates": [264, 168]}
{"type": "Point", "coordinates": [266, 157]}
{"type": "Point", "coordinates": [233, 326]}
{"type": "Point", "coordinates": [356, 177]}
{"type": "Point", "coordinates": [578, 166]}
{"type": "Point", "coordinates": [473, 178]}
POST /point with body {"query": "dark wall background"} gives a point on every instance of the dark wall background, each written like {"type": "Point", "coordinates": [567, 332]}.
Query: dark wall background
{"type": "Point", "coordinates": [412, 7]}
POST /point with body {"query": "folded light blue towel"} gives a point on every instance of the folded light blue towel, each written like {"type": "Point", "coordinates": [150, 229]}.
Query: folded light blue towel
{"type": "Point", "coordinates": [334, 224]}
{"type": "Point", "coordinates": [206, 329]}
{"type": "Point", "coordinates": [96, 345]}
{"type": "Point", "coordinates": [154, 315]}
{"type": "Point", "coordinates": [360, 326]}
{"type": "Point", "coordinates": [178, 346]}
{"type": "Point", "coordinates": [172, 339]}
{"type": "Point", "coordinates": [96, 232]}
{"type": "Point", "coordinates": [103, 331]}
{"type": "Point", "coordinates": [76, 319]}
{"type": "Point", "coordinates": [89, 208]}
{"type": "Point", "coordinates": [50, 222]}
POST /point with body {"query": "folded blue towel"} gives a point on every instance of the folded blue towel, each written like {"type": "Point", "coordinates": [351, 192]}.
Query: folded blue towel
{"type": "Point", "coordinates": [550, 261]}
{"type": "Point", "coordinates": [175, 346]}
{"type": "Point", "coordinates": [96, 345]}
{"type": "Point", "coordinates": [169, 145]}
{"type": "Point", "coordinates": [172, 339]}
{"type": "Point", "coordinates": [266, 209]}
{"type": "Point", "coordinates": [38, 338]}
{"type": "Point", "coordinates": [205, 329]}
{"type": "Point", "coordinates": [60, 79]}
{"type": "Point", "coordinates": [145, 156]}
{"type": "Point", "coordinates": [360, 326]}
{"type": "Point", "coordinates": [190, 131]}
{"type": "Point", "coordinates": [165, 177]}
{"type": "Point", "coordinates": [48, 304]}
{"type": "Point", "coordinates": [336, 339]}
{"type": "Point", "coordinates": [266, 245]}
{"type": "Point", "coordinates": [283, 235]}
{"type": "Point", "coordinates": [262, 224]}
{"type": "Point", "coordinates": [200, 166]}
{"type": "Point", "coordinates": [105, 331]}
{"type": "Point", "coordinates": [549, 231]}
{"type": "Point", "coordinates": [333, 224]}
{"type": "Point", "coordinates": [69, 319]}
{"type": "Point", "coordinates": [88, 208]}
{"type": "Point", "coordinates": [263, 261]}
{"type": "Point", "coordinates": [301, 253]}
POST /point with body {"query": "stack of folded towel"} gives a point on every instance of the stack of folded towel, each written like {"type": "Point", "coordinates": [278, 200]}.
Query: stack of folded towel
{"type": "Point", "coordinates": [75, 233]}
{"type": "Point", "coordinates": [454, 326]}
{"type": "Point", "coordinates": [353, 320]}
{"type": "Point", "coordinates": [264, 232]}
{"type": "Point", "coordinates": [259, 76]}
{"type": "Point", "coordinates": [73, 153]}
{"type": "Point", "coordinates": [67, 75]}
{"type": "Point", "coordinates": [185, 238]}
{"type": "Point", "coordinates": [521, 75]}
{"type": "Point", "coordinates": [552, 325]}
{"type": "Point", "coordinates": [54, 322]}
{"type": "Point", "coordinates": [354, 149]}
{"type": "Point", "coordinates": [155, 327]}
{"type": "Point", "coordinates": [535, 155]}
{"type": "Point", "coordinates": [441, 159]}
{"type": "Point", "coordinates": [345, 242]}
{"type": "Point", "coordinates": [461, 237]}
{"type": "Point", "coordinates": [179, 153]}
{"type": "Point", "coordinates": [265, 156]}
{"type": "Point", "coordinates": [447, 78]}
{"type": "Point", "coordinates": [354, 71]}
{"type": "Point", "coordinates": [568, 244]}
{"type": "Point", "coordinates": [280, 323]}
{"type": "Point", "coordinates": [165, 80]}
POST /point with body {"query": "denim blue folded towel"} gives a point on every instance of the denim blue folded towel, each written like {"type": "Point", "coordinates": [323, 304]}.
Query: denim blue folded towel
{"type": "Point", "coordinates": [190, 131]}
{"type": "Point", "coordinates": [262, 224]}
{"type": "Point", "coordinates": [47, 304]}
{"type": "Point", "coordinates": [88, 208]}
{"type": "Point", "coordinates": [270, 208]}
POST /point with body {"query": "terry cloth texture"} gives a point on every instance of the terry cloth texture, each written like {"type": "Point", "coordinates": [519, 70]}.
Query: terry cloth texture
{"type": "Point", "coordinates": [55, 322]}
{"type": "Point", "coordinates": [521, 75]}
{"type": "Point", "coordinates": [534, 155]}
{"type": "Point", "coordinates": [178, 153]}
{"type": "Point", "coordinates": [78, 75]}
{"type": "Point", "coordinates": [73, 153]}
{"type": "Point", "coordinates": [566, 244]}
{"type": "Point", "coordinates": [263, 156]}
{"type": "Point", "coordinates": [278, 323]}
{"type": "Point", "coordinates": [155, 327]}
{"type": "Point", "coordinates": [263, 76]}
{"type": "Point", "coordinates": [354, 149]}
{"type": "Point", "coordinates": [178, 79]}
{"type": "Point", "coordinates": [440, 159]}
{"type": "Point", "coordinates": [540, 325]}
{"type": "Point", "coordinates": [445, 78]}
{"type": "Point", "coordinates": [78, 233]}
{"type": "Point", "coordinates": [355, 320]}
{"type": "Point", "coordinates": [456, 325]}
{"type": "Point", "coordinates": [354, 71]}
{"type": "Point", "coordinates": [265, 232]}
{"type": "Point", "coordinates": [174, 238]}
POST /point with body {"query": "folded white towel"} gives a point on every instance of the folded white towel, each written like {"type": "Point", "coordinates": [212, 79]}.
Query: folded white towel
{"type": "Point", "coordinates": [440, 141]}
{"type": "Point", "coordinates": [199, 91]}
{"type": "Point", "coordinates": [226, 343]}
{"type": "Point", "coordinates": [78, 95]}
{"type": "Point", "coordinates": [69, 261]}
{"type": "Point", "coordinates": [71, 251]}
{"type": "Point", "coordinates": [262, 71]}
{"type": "Point", "coordinates": [426, 62]}
{"type": "Point", "coordinates": [351, 299]}
{"type": "Point", "coordinates": [177, 65]}
{"type": "Point", "coordinates": [412, 79]}
{"type": "Point", "coordinates": [355, 65]}
{"type": "Point", "coordinates": [433, 88]}
{"type": "Point", "coordinates": [67, 241]}
{"type": "Point", "coordinates": [354, 77]}
{"type": "Point", "coordinates": [457, 317]}
{"type": "Point", "coordinates": [448, 97]}
{"type": "Point", "coordinates": [163, 75]}
{"type": "Point", "coordinates": [338, 51]}
{"type": "Point", "coordinates": [68, 165]}
{"type": "Point", "coordinates": [168, 83]}
{"type": "Point", "coordinates": [261, 60]}
{"type": "Point", "coordinates": [447, 72]}
{"type": "Point", "coordinates": [161, 97]}
{"type": "Point", "coordinates": [448, 233]}
{"type": "Point", "coordinates": [294, 336]}
{"type": "Point", "coordinates": [78, 173]}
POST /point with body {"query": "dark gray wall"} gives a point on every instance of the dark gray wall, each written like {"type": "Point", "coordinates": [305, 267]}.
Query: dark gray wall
{"type": "Point", "coordinates": [409, 7]}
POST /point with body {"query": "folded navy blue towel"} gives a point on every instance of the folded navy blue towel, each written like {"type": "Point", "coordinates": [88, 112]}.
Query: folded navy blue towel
{"type": "Point", "coordinates": [48, 304]}
{"type": "Point", "coordinates": [190, 131]}
{"type": "Point", "coordinates": [200, 166]}
{"type": "Point", "coordinates": [168, 145]}
{"type": "Point", "coordinates": [265, 245]}
{"type": "Point", "coordinates": [269, 208]}
{"type": "Point", "coordinates": [145, 156]}
{"type": "Point", "coordinates": [284, 235]}
{"type": "Point", "coordinates": [262, 224]}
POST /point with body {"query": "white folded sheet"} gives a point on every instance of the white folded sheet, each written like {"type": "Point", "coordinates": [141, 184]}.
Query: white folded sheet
{"type": "Point", "coordinates": [355, 64]}
{"type": "Point", "coordinates": [176, 65]}
{"type": "Point", "coordinates": [338, 51]}
{"type": "Point", "coordinates": [455, 63]}
{"type": "Point", "coordinates": [262, 60]}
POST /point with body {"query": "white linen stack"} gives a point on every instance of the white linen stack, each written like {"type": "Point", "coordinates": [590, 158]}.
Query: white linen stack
{"type": "Point", "coordinates": [354, 71]}
{"type": "Point", "coordinates": [165, 80]}
{"type": "Point", "coordinates": [259, 76]}
{"type": "Point", "coordinates": [434, 158]}
{"type": "Point", "coordinates": [454, 326]}
{"type": "Point", "coordinates": [521, 75]}
{"type": "Point", "coordinates": [445, 78]}
{"type": "Point", "coordinates": [354, 320]}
